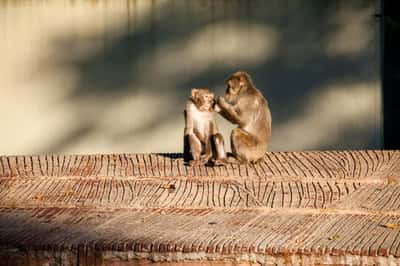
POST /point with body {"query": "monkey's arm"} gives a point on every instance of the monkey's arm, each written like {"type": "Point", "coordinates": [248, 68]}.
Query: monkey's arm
{"type": "Point", "coordinates": [188, 135]}
{"type": "Point", "coordinates": [228, 111]}
{"type": "Point", "coordinates": [186, 141]}
{"type": "Point", "coordinates": [208, 151]}
{"type": "Point", "coordinates": [188, 119]}
{"type": "Point", "coordinates": [214, 128]}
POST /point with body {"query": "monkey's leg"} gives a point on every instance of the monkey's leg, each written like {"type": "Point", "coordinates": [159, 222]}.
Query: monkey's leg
{"type": "Point", "coordinates": [245, 147]}
{"type": "Point", "coordinates": [187, 155]}
{"type": "Point", "coordinates": [219, 149]}
{"type": "Point", "coordinates": [195, 148]}
{"type": "Point", "coordinates": [208, 151]}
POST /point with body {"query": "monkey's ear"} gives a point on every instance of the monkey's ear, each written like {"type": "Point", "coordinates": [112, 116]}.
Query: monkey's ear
{"type": "Point", "coordinates": [194, 92]}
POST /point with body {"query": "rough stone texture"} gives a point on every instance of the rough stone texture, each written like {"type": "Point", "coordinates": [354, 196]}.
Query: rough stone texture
{"type": "Point", "coordinates": [293, 208]}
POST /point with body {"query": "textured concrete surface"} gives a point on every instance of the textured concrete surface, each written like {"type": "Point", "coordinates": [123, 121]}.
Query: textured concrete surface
{"type": "Point", "coordinates": [293, 208]}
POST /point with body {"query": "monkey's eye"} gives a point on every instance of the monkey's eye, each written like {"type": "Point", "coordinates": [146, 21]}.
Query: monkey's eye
{"type": "Point", "coordinates": [234, 90]}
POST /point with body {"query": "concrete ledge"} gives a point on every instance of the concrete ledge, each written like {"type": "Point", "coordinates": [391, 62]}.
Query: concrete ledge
{"type": "Point", "coordinates": [310, 208]}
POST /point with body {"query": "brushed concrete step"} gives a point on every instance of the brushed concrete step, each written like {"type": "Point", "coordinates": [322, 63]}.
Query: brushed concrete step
{"type": "Point", "coordinates": [332, 207]}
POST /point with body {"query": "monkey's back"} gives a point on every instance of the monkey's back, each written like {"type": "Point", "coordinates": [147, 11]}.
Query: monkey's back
{"type": "Point", "coordinates": [260, 124]}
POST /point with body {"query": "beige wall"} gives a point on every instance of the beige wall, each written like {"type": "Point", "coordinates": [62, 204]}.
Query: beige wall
{"type": "Point", "coordinates": [112, 76]}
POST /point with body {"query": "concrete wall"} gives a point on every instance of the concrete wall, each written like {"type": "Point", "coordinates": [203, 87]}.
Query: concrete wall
{"type": "Point", "coordinates": [113, 76]}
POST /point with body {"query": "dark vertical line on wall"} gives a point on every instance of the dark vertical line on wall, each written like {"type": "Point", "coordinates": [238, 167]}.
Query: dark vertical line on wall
{"type": "Point", "coordinates": [128, 14]}
{"type": "Point", "coordinates": [214, 17]}
{"type": "Point", "coordinates": [379, 68]}
{"type": "Point", "coordinates": [213, 22]}
{"type": "Point", "coordinates": [224, 12]}
{"type": "Point", "coordinates": [390, 73]}
{"type": "Point", "coordinates": [213, 14]}
{"type": "Point", "coordinates": [381, 34]}
{"type": "Point", "coordinates": [105, 28]}
{"type": "Point", "coordinates": [380, 16]}
{"type": "Point", "coordinates": [131, 24]}
{"type": "Point", "coordinates": [153, 23]}
{"type": "Point", "coordinates": [239, 12]}
{"type": "Point", "coordinates": [135, 14]}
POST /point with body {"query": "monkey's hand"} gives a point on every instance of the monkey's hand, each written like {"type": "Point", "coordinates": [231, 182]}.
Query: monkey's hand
{"type": "Point", "coordinates": [205, 158]}
{"type": "Point", "coordinates": [222, 103]}
{"type": "Point", "coordinates": [228, 111]}
{"type": "Point", "coordinates": [217, 108]}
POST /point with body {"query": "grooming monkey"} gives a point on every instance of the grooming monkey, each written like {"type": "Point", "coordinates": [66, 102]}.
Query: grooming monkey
{"type": "Point", "coordinates": [202, 141]}
{"type": "Point", "coordinates": [245, 106]}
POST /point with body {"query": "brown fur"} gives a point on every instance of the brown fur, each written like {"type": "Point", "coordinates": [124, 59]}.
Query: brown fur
{"type": "Point", "coordinates": [202, 141]}
{"type": "Point", "coordinates": [245, 106]}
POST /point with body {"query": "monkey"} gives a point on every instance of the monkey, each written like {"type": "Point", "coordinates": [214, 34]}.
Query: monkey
{"type": "Point", "coordinates": [202, 140]}
{"type": "Point", "coordinates": [244, 105]}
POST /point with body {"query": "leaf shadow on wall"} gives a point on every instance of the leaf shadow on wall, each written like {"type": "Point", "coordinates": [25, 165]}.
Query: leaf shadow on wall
{"type": "Point", "coordinates": [140, 77]}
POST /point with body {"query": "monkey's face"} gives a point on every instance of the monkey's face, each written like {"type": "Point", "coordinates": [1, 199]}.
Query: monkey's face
{"type": "Point", "coordinates": [234, 87]}
{"type": "Point", "coordinates": [203, 99]}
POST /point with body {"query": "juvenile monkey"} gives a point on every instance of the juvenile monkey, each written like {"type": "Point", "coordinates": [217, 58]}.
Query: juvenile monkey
{"type": "Point", "coordinates": [202, 141]}
{"type": "Point", "coordinates": [245, 106]}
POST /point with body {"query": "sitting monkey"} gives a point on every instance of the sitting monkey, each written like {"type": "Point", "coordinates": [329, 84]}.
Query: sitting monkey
{"type": "Point", "coordinates": [245, 106]}
{"type": "Point", "coordinates": [202, 141]}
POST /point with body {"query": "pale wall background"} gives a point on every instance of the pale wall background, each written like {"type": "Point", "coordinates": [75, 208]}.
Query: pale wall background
{"type": "Point", "coordinates": [113, 76]}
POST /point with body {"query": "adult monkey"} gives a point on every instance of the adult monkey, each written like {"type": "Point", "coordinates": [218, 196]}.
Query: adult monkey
{"type": "Point", "coordinates": [245, 106]}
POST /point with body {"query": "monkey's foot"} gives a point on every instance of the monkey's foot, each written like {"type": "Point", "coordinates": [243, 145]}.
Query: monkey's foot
{"type": "Point", "coordinates": [199, 162]}
{"type": "Point", "coordinates": [234, 160]}
{"type": "Point", "coordinates": [220, 162]}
